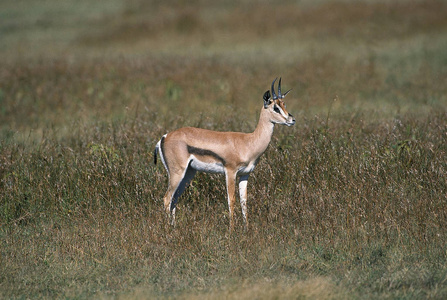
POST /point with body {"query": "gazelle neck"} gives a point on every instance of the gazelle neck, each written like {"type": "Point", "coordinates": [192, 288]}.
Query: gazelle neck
{"type": "Point", "coordinates": [263, 132]}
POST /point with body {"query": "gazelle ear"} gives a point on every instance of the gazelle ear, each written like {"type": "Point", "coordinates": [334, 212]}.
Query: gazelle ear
{"type": "Point", "coordinates": [267, 99]}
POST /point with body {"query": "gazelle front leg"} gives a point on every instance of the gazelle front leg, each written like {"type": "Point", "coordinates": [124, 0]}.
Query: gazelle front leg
{"type": "Point", "coordinates": [243, 197]}
{"type": "Point", "coordinates": [231, 187]}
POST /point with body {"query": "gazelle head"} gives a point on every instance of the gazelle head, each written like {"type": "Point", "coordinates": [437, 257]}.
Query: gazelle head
{"type": "Point", "coordinates": [276, 106]}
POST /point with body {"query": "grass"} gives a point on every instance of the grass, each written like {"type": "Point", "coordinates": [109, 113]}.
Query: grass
{"type": "Point", "coordinates": [348, 203]}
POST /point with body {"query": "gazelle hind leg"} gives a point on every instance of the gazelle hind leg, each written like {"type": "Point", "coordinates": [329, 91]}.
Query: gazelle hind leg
{"type": "Point", "coordinates": [168, 198]}
{"type": "Point", "coordinates": [177, 185]}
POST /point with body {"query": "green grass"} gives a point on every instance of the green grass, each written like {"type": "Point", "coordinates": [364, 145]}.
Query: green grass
{"type": "Point", "coordinates": [348, 203]}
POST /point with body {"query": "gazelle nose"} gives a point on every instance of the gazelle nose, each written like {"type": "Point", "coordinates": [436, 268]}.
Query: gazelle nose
{"type": "Point", "coordinates": [292, 122]}
{"type": "Point", "coordinates": [291, 116]}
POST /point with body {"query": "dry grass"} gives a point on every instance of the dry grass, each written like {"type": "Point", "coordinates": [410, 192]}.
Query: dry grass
{"type": "Point", "coordinates": [348, 203]}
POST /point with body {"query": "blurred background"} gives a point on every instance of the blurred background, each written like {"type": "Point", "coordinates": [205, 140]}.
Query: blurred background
{"type": "Point", "coordinates": [348, 203]}
{"type": "Point", "coordinates": [84, 59]}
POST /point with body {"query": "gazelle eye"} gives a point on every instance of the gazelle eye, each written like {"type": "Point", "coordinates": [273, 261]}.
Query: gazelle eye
{"type": "Point", "coordinates": [276, 109]}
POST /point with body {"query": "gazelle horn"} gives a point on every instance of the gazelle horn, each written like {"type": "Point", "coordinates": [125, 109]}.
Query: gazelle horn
{"type": "Point", "coordinates": [281, 96]}
{"type": "Point", "coordinates": [279, 88]}
{"type": "Point", "coordinates": [273, 89]}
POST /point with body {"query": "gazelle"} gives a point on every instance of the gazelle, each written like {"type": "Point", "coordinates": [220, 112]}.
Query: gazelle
{"type": "Point", "coordinates": [235, 154]}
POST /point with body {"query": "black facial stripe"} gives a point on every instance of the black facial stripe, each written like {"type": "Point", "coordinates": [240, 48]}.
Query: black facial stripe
{"type": "Point", "coordinates": [205, 152]}
{"type": "Point", "coordinates": [276, 109]}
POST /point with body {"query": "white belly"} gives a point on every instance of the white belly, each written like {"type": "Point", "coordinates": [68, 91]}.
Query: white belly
{"type": "Point", "coordinates": [207, 167]}
{"type": "Point", "coordinates": [247, 169]}
{"type": "Point", "coordinates": [217, 167]}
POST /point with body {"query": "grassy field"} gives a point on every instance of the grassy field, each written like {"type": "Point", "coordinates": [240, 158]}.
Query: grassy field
{"type": "Point", "coordinates": [350, 203]}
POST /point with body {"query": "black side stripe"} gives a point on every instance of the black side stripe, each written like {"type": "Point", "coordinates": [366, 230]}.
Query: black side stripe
{"type": "Point", "coordinates": [205, 152]}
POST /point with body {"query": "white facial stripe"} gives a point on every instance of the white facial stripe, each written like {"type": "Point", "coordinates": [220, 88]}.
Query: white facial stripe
{"type": "Point", "coordinates": [282, 111]}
